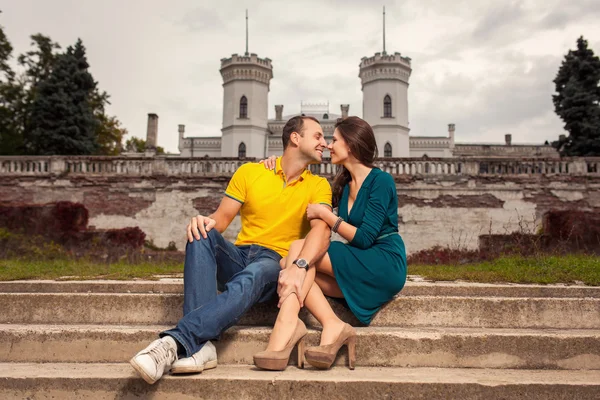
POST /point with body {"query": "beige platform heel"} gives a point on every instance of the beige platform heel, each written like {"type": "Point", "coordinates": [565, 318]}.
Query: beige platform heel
{"type": "Point", "coordinates": [323, 356]}
{"type": "Point", "coordinates": [278, 360]}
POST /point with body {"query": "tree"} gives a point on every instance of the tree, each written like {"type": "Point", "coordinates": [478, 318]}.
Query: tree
{"type": "Point", "coordinates": [6, 81]}
{"type": "Point", "coordinates": [137, 145]}
{"type": "Point", "coordinates": [577, 102]}
{"type": "Point", "coordinates": [62, 118]}
{"type": "Point", "coordinates": [110, 135]}
{"type": "Point", "coordinates": [17, 91]}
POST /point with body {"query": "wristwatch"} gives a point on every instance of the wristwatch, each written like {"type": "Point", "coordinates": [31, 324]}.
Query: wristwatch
{"type": "Point", "coordinates": [301, 263]}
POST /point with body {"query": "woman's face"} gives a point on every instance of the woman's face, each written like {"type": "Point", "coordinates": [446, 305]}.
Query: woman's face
{"type": "Point", "coordinates": [338, 149]}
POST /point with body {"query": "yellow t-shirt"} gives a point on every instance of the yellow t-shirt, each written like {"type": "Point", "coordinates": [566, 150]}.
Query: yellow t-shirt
{"type": "Point", "coordinates": [273, 212]}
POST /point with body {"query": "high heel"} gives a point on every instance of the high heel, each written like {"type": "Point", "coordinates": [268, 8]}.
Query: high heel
{"type": "Point", "coordinates": [278, 360]}
{"type": "Point", "coordinates": [323, 356]}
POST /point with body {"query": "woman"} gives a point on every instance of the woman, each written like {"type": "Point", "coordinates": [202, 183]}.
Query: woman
{"type": "Point", "coordinates": [367, 272]}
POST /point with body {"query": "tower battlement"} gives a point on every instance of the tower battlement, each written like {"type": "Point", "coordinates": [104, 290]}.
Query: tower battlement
{"type": "Point", "coordinates": [384, 58]}
{"type": "Point", "coordinates": [244, 67]}
{"type": "Point", "coordinates": [384, 66]}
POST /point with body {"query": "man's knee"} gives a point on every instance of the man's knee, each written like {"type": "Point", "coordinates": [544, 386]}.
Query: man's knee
{"type": "Point", "coordinates": [212, 237]}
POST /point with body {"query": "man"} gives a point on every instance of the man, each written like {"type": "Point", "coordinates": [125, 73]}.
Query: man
{"type": "Point", "coordinates": [273, 212]}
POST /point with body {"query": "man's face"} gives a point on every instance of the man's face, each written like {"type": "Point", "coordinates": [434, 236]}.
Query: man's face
{"type": "Point", "coordinates": [312, 142]}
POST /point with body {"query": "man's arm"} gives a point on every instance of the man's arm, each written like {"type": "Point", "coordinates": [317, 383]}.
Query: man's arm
{"type": "Point", "coordinates": [219, 220]}
{"type": "Point", "coordinates": [315, 246]}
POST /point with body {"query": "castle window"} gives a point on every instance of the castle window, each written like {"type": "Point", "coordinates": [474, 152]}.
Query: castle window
{"type": "Point", "coordinates": [243, 107]}
{"type": "Point", "coordinates": [387, 106]}
{"type": "Point", "coordinates": [325, 116]}
{"type": "Point", "coordinates": [387, 150]}
{"type": "Point", "coordinates": [242, 150]}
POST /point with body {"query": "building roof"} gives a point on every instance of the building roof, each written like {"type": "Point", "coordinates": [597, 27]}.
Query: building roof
{"type": "Point", "coordinates": [331, 117]}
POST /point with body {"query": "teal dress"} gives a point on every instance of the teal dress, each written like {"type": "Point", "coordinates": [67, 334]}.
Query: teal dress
{"type": "Point", "coordinates": [371, 269]}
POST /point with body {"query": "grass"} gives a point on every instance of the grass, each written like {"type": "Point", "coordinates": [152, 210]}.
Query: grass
{"type": "Point", "coordinates": [539, 269]}
{"type": "Point", "coordinates": [14, 269]}
{"type": "Point", "coordinates": [517, 269]}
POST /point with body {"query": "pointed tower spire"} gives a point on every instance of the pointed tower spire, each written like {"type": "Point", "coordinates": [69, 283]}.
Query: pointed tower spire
{"type": "Point", "coordinates": [246, 32]}
{"type": "Point", "coordinates": [384, 30]}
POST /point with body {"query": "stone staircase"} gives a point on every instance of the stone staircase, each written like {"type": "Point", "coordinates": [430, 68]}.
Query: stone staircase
{"type": "Point", "coordinates": [434, 341]}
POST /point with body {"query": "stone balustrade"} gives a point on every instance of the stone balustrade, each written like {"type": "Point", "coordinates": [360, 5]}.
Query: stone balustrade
{"type": "Point", "coordinates": [178, 166]}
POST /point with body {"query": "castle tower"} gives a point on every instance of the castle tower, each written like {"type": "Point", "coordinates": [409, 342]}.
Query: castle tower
{"type": "Point", "coordinates": [384, 79]}
{"type": "Point", "coordinates": [245, 104]}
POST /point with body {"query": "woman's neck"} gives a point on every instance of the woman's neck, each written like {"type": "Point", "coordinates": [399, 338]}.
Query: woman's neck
{"type": "Point", "coordinates": [358, 171]}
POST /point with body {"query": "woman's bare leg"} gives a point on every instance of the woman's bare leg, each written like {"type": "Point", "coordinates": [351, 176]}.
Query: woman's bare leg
{"type": "Point", "coordinates": [288, 312]}
{"type": "Point", "coordinates": [318, 305]}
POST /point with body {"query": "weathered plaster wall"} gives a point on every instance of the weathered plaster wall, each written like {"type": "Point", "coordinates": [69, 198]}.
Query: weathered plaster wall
{"type": "Point", "coordinates": [452, 211]}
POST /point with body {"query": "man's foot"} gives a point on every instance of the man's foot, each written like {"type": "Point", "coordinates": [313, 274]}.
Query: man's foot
{"type": "Point", "coordinates": [205, 358]}
{"type": "Point", "coordinates": [156, 359]}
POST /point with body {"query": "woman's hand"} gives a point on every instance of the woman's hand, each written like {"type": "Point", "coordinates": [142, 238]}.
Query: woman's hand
{"type": "Point", "coordinates": [316, 211]}
{"type": "Point", "coordinates": [269, 162]}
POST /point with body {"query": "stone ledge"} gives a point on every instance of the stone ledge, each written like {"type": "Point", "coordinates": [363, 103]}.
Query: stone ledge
{"type": "Point", "coordinates": [412, 288]}
{"type": "Point", "coordinates": [376, 347]}
{"type": "Point", "coordinates": [229, 382]}
{"type": "Point", "coordinates": [405, 311]}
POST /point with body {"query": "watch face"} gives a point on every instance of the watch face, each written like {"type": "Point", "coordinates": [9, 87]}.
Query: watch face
{"type": "Point", "coordinates": [301, 262]}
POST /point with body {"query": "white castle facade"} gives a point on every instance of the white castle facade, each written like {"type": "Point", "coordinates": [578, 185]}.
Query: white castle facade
{"type": "Point", "coordinates": [247, 132]}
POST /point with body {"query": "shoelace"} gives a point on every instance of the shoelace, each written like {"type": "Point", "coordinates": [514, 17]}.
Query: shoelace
{"type": "Point", "coordinates": [161, 352]}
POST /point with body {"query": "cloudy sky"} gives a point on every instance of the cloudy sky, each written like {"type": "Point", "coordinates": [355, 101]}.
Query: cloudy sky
{"type": "Point", "coordinates": [485, 65]}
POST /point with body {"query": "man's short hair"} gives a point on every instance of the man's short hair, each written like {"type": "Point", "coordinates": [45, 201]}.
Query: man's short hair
{"type": "Point", "coordinates": [295, 124]}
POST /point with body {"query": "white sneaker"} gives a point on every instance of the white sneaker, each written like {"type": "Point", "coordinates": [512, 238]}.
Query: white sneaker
{"type": "Point", "coordinates": [156, 359]}
{"type": "Point", "coordinates": [205, 358]}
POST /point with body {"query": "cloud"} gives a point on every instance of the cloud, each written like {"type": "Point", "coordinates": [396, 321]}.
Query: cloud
{"type": "Point", "coordinates": [486, 66]}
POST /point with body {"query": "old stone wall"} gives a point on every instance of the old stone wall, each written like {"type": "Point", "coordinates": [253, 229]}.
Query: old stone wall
{"type": "Point", "coordinates": [449, 210]}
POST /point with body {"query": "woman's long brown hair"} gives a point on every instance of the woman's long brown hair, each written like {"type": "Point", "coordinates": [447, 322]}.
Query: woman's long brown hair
{"type": "Point", "coordinates": [360, 139]}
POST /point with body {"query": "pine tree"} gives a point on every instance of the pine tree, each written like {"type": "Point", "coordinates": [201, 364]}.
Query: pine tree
{"type": "Point", "coordinates": [62, 119]}
{"type": "Point", "coordinates": [577, 102]}
{"type": "Point", "coordinates": [11, 136]}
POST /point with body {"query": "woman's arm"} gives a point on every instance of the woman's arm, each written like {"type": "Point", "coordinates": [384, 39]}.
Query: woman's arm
{"type": "Point", "coordinates": [380, 194]}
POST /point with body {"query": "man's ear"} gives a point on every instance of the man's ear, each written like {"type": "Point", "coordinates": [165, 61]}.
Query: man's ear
{"type": "Point", "coordinates": [295, 138]}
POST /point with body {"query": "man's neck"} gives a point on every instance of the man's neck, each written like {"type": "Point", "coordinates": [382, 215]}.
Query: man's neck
{"type": "Point", "coordinates": [292, 166]}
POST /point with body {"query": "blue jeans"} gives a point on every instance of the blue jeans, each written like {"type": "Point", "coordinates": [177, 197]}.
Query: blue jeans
{"type": "Point", "coordinates": [245, 274]}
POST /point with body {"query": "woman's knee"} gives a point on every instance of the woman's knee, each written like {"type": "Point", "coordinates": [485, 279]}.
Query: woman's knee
{"type": "Point", "coordinates": [282, 262]}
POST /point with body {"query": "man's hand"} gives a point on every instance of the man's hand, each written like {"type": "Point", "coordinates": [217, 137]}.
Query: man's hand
{"type": "Point", "coordinates": [290, 281]}
{"type": "Point", "coordinates": [199, 225]}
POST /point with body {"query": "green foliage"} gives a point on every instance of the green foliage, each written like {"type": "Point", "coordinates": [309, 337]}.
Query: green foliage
{"type": "Point", "coordinates": [137, 145]}
{"type": "Point", "coordinates": [19, 92]}
{"type": "Point", "coordinates": [62, 119]}
{"type": "Point", "coordinates": [110, 135]}
{"type": "Point", "coordinates": [10, 137]}
{"type": "Point", "coordinates": [577, 102]}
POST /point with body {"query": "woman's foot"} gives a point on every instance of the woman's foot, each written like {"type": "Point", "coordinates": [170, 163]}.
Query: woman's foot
{"type": "Point", "coordinates": [277, 360]}
{"type": "Point", "coordinates": [331, 331]}
{"type": "Point", "coordinates": [323, 356]}
{"type": "Point", "coordinates": [282, 333]}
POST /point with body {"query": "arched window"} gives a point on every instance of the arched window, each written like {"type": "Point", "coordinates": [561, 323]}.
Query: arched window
{"type": "Point", "coordinates": [325, 116]}
{"type": "Point", "coordinates": [243, 107]}
{"type": "Point", "coordinates": [387, 150]}
{"type": "Point", "coordinates": [242, 150]}
{"type": "Point", "coordinates": [387, 106]}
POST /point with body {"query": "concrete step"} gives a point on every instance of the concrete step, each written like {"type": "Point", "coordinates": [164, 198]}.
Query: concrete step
{"type": "Point", "coordinates": [173, 285]}
{"type": "Point", "coordinates": [376, 347]}
{"type": "Point", "coordinates": [109, 381]}
{"type": "Point", "coordinates": [405, 311]}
